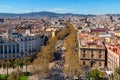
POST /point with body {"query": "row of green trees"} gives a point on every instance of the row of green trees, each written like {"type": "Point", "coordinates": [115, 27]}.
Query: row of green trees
{"type": "Point", "coordinates": [17, 63]}
{"type": "Point", "coordinates": [46, 55]}
{"type": "Point", "coordinates": [72, 66]}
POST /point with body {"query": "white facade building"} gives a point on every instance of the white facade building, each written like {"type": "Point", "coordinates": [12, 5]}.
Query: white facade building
{"type": "Point", "coordinates": [20, 45]}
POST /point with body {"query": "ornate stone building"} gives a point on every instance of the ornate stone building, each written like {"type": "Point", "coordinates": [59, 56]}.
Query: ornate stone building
{"type": "Point", "coordinates": [92, 51]}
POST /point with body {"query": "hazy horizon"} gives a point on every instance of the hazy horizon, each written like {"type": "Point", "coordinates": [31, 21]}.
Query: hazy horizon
{"type": "Point", "coordinates": [55, 12]}
{"type": "Point", "coordinates": [96, 7]}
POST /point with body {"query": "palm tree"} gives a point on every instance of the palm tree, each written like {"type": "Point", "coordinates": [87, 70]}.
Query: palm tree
{"type": "Point", "coordinates": [1, 63]}
{"type": "Point", "coordinates": [17, 63]}
{"type": "Point", "coordinates": [26, 62]}
{"type": "Point", "coordinates": [7, 64]}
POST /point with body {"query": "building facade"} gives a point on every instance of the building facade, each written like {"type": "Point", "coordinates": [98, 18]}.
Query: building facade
{"type": "Point", "coordinates": [15, 45]}
{"type": "Point", "coordinates": [93, 57]}
{"type": "Point", "coordinates": [113, 57]}
{"type": "Point", "coordinates": [92, 51]}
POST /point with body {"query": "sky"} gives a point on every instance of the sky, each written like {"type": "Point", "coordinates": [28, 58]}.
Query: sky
{"type": "Point", "coordinates": [61, 6]}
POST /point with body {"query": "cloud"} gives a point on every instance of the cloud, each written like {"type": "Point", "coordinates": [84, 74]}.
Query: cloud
{"type": "Point", "coordinates": [62, 10]}
{"type": "Point", "coordinates": [5, 6]}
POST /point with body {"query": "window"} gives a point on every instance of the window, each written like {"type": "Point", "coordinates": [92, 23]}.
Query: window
{"type": "Point", "coordinates": [1, 48]}
{"type": "Point", "coordinates": [84, 55]}
{"type": "Point", "coordinates": [100, 56]}
{"type": "Point", "coordinates": [14, 48]}
{"type": "Point", "coordinates": [21, 46]}
{"type": "Point", "coordinates": [91, 64]}
{"type": "Point", "coordinates": [83, 51]}
{"type": "Point", "coordinates": [91, 51]}
{"type": "Point", "coordinates": [17, 48]}
{"type": "Point", "coordinates": [83, 62]}
{"type": "Point", "coordinates": [21, 50]}
{"type": "Point", "coordinates": [99, 63]}
{"type": "Point", "coordinates": [9, 48]}
{"type": "Point", "coordinates": [92, 55]}
{"type": "Point", "coordinates": [5, 49]}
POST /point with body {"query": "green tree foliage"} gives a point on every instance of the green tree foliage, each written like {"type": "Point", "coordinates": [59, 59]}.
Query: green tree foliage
{"type": "Point", "coordinates": [52, 40]}
{"type": "Point", "coordinates": [46, 56]}
{"type": "Point", "coordinates": [47, 53]}
{"type": "Point", "coordinates": [41, 67]}
{"type": "Point", "coordinates": [26, 62]}
{"type": "Point", "coordinates": [63, 33]}
{"type": "Point", "coordinates": [42, 61]}
{"type": "Point", "coordinates": [11, 76]}
{"type": "Point", "coordinates": [117, 73]}
{"type": "Point", "coordinates": [72, 66]}
{"type": "Point", "coordinates": [71, 38]}
{"type": "Point", "coordinates": [18, 63]}
{"type": "Point", "coordinates": [1, 78]}
{"type": "Point", "coordinates": [7, 65]}
{"type": "Point", "coordinates": [95, 74]}
{"type": "Point", "coordinates": [15, 75]}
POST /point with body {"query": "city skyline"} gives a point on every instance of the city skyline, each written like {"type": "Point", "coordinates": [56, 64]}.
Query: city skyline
{"type": "Point", "coordinates": [66, 6]}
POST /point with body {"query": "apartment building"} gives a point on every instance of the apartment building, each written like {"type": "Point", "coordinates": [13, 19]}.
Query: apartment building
{"type": "Point", "coordinates": [113, 50]}
{"type": "Point", "coordinates": [92, 51]}
{"type": "Point", "coordinates": [14, 45]}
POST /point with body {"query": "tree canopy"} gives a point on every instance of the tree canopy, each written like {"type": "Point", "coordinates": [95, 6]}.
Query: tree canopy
{"type": "Point", "coordinates": [95, 74]}
{"type": "Point", "coordinates": [72, 66]}
{"type": "Point", "coordinates": [117, 73]}
{"type": "Point", "coordinates": [46, 55]}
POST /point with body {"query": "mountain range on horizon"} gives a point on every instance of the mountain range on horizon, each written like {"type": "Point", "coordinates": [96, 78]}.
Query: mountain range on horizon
{"type": "Point", "coordinates": [48, 14]}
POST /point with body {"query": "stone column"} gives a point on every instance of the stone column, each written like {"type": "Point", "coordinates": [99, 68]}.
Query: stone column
{"type": "Point", "coordinates": [7, 50]}
{"type": "Point", "coordinates": [3, 51]}
{"type": "Point", "coordinates": [15, 49]}
{"type": "Point", "coordinates": [11, 50]}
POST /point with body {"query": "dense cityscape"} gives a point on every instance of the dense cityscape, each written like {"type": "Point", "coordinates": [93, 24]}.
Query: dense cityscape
{"type": "Point", "coordinates": [60, 47]}
{"type": "Point", "coordinates": [60, 40]}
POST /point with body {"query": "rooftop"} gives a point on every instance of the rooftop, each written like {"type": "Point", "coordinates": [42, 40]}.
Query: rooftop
{"type": "Point", "coordinates": [90, 41]}
{"type": "Point", "coordinates": [114, 48]}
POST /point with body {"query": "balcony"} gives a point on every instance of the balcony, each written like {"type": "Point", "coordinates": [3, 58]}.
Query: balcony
{"type": "Point", "coordinates": [92, 59]}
